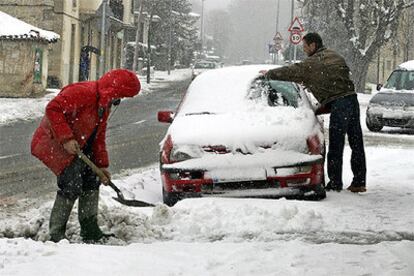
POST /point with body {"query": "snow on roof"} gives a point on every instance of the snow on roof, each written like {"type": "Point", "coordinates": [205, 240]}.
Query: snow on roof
{"type": "Point", "coordinates": [13, 28]}
{"type": "Point", "coordinates": [408, 65]}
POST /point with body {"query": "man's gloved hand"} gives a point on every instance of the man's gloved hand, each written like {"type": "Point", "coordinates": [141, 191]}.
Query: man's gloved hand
{"type": "Point", "coordinates": [106, 180]}
{"type": "Point", "coordinates": [71, 146]}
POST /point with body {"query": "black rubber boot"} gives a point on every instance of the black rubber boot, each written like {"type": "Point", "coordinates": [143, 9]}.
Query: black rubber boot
{"type": "Point", "coordinates": [59, 217]}
{"type": "Point", "coordinates": [87, 213]}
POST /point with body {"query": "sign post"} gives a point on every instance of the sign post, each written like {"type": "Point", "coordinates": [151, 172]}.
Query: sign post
{"type": "Point", "coordinates": [278, 39]}
{"type": "Point", "coordinates": [295, 29]}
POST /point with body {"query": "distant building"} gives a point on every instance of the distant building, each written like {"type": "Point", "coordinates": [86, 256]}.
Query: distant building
{"type": "Point", "coordinates": [23, 57]}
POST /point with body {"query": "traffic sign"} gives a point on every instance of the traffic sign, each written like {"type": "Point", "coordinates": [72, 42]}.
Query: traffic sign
{"type": "Point", "coordinates": [295, 37]}
{"type": "Point", "coordinates": [278, 38]}
{"type": "Point", "coordinates": [296, 26]}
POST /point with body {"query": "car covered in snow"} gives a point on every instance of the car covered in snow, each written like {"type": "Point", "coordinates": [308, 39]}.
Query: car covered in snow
{"type": "Point", "coordinates": [236, 134]}
{"type": "Point", "coordinates": [202, 66]}
{"type": "Point", "coordinates": [393, 105]}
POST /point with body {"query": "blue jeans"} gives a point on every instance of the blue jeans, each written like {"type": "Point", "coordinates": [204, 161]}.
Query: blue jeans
{"type": "Point", "coordinates": [345, 119]}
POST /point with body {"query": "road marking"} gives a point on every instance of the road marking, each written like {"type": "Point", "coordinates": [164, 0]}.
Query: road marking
{"type": "Point", "coordinates": [11, 155]}
{"type": "Point", "coordinates": [139, 122]}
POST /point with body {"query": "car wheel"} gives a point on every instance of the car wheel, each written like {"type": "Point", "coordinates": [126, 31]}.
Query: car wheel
{"type": "Point", "coordinates": [373, 124]}
{"type": "Point", "coordinates": [319, 193]}
{"type": "Point", "coordinates": [171, 198]}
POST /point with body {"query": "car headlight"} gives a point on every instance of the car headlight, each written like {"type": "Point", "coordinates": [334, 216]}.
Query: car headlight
{"type": "Point", "coordinates": [181, 153]}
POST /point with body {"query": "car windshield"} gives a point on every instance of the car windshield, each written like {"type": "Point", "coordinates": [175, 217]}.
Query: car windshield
{"type": "Point", "coordinates": [205, 65]}
{"type": "Point", "coordinates": [400, 80]}
{"type": "Point", "coordinates": [276, 93]}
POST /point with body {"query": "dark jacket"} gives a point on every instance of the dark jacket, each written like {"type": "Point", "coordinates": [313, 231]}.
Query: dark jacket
{"type": "Point", "coordinates": [325, 74]}
{"type": "Point", "coordinates": [73, 114]}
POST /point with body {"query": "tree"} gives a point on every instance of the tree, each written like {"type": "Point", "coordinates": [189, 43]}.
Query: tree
{"type": "Point", "coordinates": [355, 28]}
{"type": "Point", "coordinates": [219, 27]}
{"type": "Point", "coordinates": [175, 18]}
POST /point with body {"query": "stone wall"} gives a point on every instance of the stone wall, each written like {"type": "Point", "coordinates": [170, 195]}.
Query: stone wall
{"type": "Point", "coordinates": [17, 58]}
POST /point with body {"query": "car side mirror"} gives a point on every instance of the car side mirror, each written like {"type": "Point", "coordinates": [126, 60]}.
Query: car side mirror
{"type": "Point", "coordinates": [379, 86]}
{"type": "Point", "coordinates": [165, 116]}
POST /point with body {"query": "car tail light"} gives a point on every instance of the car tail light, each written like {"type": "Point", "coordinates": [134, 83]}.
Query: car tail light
{"type": "Point", "coordinates": [314, 145]}
{"type": "Point", "coordinates": [166, 150]}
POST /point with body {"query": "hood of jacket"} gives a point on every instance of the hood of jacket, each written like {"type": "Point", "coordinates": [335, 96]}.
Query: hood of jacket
{"type": "Point", "coordinates": [116, 84]}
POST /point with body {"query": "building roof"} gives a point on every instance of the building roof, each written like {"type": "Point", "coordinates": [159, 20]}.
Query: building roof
{"type": "Point", "coordinates": [15, 29]}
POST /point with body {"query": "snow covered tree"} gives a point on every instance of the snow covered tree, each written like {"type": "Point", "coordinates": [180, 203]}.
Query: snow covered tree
{"type": "Point", "coordinates": [355, 28]}
{"type": "Point", "coordinates": [176, 19]}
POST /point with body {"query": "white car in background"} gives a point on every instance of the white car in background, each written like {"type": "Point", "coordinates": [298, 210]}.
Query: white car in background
{"type": "Point", "coordinates": [237, 135]}
{"type": "Point", "coordinates": [394, 104]}
{"type": "Point", "coordinates": [202, 66]}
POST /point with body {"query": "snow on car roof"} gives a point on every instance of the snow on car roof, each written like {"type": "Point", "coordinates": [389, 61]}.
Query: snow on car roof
{"type": "Point", "coordinates": [221, 90]}
{"type": "Point", "coordinates": [13, 28]}
{"type": "Point", "coordinates": [408, 65]}
{"type": "Point", "coordinates": [216, 111]}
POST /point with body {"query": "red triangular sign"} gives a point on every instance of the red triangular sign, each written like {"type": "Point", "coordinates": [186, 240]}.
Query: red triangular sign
{"type": "Point", "coordinates": [296, 26]}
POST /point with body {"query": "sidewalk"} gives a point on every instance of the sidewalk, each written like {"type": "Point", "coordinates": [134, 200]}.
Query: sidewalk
{"type": "Point", "coordinates": [12, 110]}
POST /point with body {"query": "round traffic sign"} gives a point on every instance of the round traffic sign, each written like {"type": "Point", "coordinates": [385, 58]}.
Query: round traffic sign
{"type": "Point", "coordinates": [295, 37]}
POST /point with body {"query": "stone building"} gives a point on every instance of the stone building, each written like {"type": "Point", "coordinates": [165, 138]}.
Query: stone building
{"type": "Point", "coordinates": [76, 55]}
{"type": "Point", "coordinates": [23, 57]}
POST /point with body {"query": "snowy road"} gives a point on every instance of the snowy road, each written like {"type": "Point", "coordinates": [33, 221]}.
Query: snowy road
{"type": "Point", "coordinates": [345, 234]}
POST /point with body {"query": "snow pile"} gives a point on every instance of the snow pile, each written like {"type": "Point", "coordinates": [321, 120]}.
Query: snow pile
{"type": "Point", "coordinates": [12, 110]}
{"type": "Point", "coordinates": [11, 26]}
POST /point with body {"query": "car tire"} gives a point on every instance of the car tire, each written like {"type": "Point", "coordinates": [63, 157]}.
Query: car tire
{"type": "Point", "coordinates": [373, 124]}
{"type": "Point", "coordinates": [319, 193]}
{"type": "Point", "coordinates": [170, 198]}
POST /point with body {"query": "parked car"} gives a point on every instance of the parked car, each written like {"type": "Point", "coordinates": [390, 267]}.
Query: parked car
{"type": "Point", "coordinates": [393, 105]}
{"type": "Point", "coordinates": [236, 135]}
{"type": "Point", "coordinates": [202, 66]}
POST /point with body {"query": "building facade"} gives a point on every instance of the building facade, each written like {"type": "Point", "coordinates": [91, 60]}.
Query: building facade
{"type": "Point", "coordinates": [77, 54]}
{"type": "Point", "coordinates": [23, 57]}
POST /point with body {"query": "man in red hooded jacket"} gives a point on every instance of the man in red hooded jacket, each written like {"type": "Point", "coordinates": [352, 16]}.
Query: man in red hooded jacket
{"type": "Point", "coordinates": [76, 119]}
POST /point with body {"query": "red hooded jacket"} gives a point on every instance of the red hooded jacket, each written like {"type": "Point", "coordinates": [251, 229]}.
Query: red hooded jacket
{"type": "Point", "coordinates": [73, 114]}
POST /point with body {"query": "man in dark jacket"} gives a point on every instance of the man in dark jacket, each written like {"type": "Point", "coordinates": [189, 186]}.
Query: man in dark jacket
{"type": "Point", "coordinates": [325, 73]}
{"type": "Point", "coordinates": [74, 120]}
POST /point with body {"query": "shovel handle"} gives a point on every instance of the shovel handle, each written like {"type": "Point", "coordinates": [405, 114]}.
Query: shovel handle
{"type": "Point", "coordinates": [94, 168]}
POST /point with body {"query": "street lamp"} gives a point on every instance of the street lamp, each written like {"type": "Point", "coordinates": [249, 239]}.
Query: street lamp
{"type": "Point", "coordinates": [153, 18]}
{"type": "Point", "coordinates": [202, 25]}
{"type": "Point", "coordinates": [169, 40]}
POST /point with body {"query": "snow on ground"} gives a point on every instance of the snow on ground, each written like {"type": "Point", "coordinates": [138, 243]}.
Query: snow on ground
{"type": "Point", "coordinates": [12, 110]}
{"type": "Point", "coordinates": [345, 234]}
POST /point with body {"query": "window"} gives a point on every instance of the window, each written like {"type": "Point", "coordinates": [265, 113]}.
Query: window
{"type": "Point", "coordinates": [275, 93]}
{"type": "Point", "coordinates": [74, 4]}
{"type": "Point", "coordinates": [204, 65]}
{"type": "Point", "coordinates": [400, 80]}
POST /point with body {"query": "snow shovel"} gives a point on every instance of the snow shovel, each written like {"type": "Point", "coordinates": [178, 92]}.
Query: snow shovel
{"type": "Point", "coordinates": [121, 199]}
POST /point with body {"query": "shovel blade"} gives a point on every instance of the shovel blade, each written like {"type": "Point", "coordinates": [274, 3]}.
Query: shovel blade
{"type": "Point", "coordinates": [133, 202]}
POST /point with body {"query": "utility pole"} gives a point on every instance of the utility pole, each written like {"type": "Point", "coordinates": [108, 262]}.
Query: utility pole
{"type": "Point", "coordinates": [102, 56]}
{"type": "Point", "coordinates": [202, 25]}
{"type": "Point", "coordinates": [137, 34]}
{"type": "Point", "coordinates": [149, 48]}
{"type": "Point", "coordinates": [291, 20]}
{"type": "Point", "coordinates": [276, 59]}
{"type": "Point", "coordinates": [169, 41]}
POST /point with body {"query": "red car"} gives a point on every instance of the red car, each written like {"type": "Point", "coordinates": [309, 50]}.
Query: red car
{"type": "Point", "coordinates": [238, 135]}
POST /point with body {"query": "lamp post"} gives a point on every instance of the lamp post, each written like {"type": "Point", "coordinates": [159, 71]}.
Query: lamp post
{"type": "Point", "coordinates": [102, 55]}
{"type": "Point", "coordinates": [136, 50]}
{"type": "Point", "coordinates": [152, 19]}
{"type": "Point", "coordinates": [169, 41]}
{"type": "Point", "coordinates": [202, 25]}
